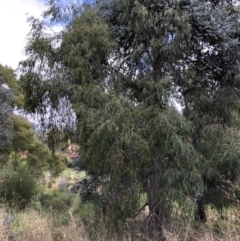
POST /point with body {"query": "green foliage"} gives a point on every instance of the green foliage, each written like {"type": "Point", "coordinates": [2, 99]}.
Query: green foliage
{"type": "Point", "coordinates": [86, 211]}
{"type": "Point", "coordinates": [23, 134]}
{"type": "Point", "coordinates": [57, 139]}
{"type": "Point", "coordinates": [40, 156]}
{"type": "Point", "coordinates": [6, 96]}
{"type": "Point", "coordinates": [221, 164]}
{"type": "Point", "coordinates": [87, 40]}
{"type": "Point", "coordinates": [16, 131]}
{"type": "Point", "coordinates": [120, 64]}
{"type": "Point", "coordinates": [18, 185]}
{"type": "Point", "coordinates": [8, 78]}
{"type": "Point", "coordinates": [57, 200]}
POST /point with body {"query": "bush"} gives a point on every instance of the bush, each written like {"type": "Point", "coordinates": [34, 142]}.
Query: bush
{"type": "Point", "coordinates": [57, 200]}
{"type": "Point", "coordinates": [18, 184]}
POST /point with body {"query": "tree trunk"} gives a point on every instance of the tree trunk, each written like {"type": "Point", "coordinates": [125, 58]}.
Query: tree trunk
{"type": "Point", "coordinates": [152, 228]}
{"type": "Point", "coordinates": [158, 217]}
{"type": "Point", "coordinates": [201, 210]}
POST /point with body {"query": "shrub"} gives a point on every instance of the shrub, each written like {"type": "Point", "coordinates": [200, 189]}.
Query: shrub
{"type": "Point", "coordinates": [57, 200]}
{"type": "Point", "coordinates": [18, 184]}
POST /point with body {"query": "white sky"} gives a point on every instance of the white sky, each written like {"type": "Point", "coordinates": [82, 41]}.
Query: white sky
{"type": "Point", "coordinates": [14, 28]}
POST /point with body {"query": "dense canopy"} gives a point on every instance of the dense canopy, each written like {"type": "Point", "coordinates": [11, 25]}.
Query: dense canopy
{"type": "Point", "coordinates": [122, 66]}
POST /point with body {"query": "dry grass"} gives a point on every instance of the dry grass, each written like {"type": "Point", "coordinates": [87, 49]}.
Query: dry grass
{"type": "Point", "coordinates": [75, 230]}
{"type": "Point", "coordinates": [215, 229]}
{"type": "Point", "coordinates": [203, 234]}
{"type": "Point", "coordinates": [5, 228]}
{"type": "Point", "coordinates": [32, 225]}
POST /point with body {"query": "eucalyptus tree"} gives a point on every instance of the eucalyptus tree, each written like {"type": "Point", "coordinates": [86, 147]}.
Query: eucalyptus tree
{"type": "Point", "coordinates": [120, 64]}
{"type": "Point", "coordinates": [196, 45]}
{"type": "Point", "coordinates": [201, 44]}
{"type": "Point", "coordinates": [208, 79]}
{"type": "Point", "coordinates": [10, 98]}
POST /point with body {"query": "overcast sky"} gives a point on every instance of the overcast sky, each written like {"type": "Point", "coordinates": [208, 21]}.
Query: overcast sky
{"type": "Point", "coordinates": [14, 28]}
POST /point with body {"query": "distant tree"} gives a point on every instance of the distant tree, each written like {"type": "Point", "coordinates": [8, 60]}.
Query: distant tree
{"type": "Point", "coordinates": [16, 131]}
{"type": "Point", "coordinates": [10, 97]}
{"type": "Point", "coordinates": [9, 80]}
{"type": "Point", "coordinates": [37, 153]}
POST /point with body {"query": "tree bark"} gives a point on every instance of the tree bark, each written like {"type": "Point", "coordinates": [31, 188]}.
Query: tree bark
{"type": "Point", "coordinates": [201, 210]}
{"type": "Point", "coordinates": [153, 227]}
{"type": "Point", "coordinates": [158, 218]}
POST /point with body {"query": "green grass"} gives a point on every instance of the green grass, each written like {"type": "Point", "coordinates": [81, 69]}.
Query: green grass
{"type": "Point", "coordinates": [72, 174]}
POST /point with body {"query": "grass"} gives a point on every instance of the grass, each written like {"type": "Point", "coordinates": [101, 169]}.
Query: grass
{"type": "Point", "coordinates": [41, 224]}
{"type": "Point", "coordinates": [33, 225]}
{"type": "Point", "coordinates": [68, 175]}
{"type": "Point", "coordinates": [59, 215]}
{"type": "Point", "coordinates": [72, 174]}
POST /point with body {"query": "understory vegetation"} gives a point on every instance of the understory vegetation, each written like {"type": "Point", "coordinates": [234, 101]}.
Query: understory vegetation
{"type": "Point", "coordinates": [56, 214]}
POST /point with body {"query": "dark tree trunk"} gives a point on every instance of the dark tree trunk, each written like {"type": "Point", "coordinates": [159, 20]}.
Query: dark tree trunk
{"type": "Point", "coordinates": [201, 210]}
{"type": "Point", "coordinates": [158, 217]}
{"type": "Point", "coordinates": [152, 228]}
